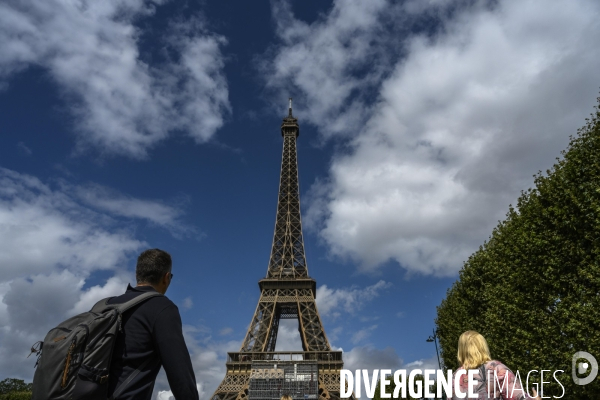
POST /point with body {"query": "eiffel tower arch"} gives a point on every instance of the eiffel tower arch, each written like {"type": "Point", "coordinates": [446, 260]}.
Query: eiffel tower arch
{"type": "Point", "coordinates": [287, 292]}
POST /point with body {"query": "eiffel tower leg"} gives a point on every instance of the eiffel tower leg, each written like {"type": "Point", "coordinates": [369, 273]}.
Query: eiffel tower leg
{"type": "Point", "coordinates": [233, 387]}
{"type": "Point", "coordinates": [259, 332]}
{"type": "Point", "coordinates": [311, 327]}
{"type": "Point", "coordinates": [329, 385]}
{"type": "Point", "coordinates": [272, 336]}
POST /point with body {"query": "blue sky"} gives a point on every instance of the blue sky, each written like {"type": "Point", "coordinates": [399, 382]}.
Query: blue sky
{"type": "Point", "coordinates": [133, 124]}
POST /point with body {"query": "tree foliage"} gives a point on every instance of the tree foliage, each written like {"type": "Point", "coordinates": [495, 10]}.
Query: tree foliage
{"type": "Point", "coordinates": [533, 289]}
{"type": "Point", "coordinates": [14, 385]}
{"type": "Point", "coordinates": [16, 396]}
{"type": "Point", "coordinates": [15, 389]}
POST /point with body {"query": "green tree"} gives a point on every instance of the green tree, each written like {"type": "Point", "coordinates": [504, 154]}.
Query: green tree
{"type": "Point", "coordinates": [533, 288]}
{"type": "Point", "coordinates": [15, 389]}
{"type": "Point", "coordinates": [16, 396]}
{"type": "Point", "coordinates": [14, 385]}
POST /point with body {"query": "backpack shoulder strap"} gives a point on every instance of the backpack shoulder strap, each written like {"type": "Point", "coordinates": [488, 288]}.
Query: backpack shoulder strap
{"type": "Point", "coordinates": [483, 373]}
{"type": "Point", "coordinates": [122, 307]}
{"type": "Point", "coordinates": [135, 301]}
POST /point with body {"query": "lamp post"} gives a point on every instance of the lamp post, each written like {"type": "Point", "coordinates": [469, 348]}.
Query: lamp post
{"type": "Point", "coordinates": [433, 338]}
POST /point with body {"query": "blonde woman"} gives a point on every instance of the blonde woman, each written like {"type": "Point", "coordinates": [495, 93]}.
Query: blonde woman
{"type": "Point", "coordinates": [286, 397]}
{"type": "Point", "coordinates": [473, 353]}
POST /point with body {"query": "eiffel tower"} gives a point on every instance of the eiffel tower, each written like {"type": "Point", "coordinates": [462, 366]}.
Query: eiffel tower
{"type": "Point", "coordinates": [287, 292]}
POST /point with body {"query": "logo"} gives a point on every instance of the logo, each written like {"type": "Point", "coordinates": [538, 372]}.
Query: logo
{"type": "Point", "coordinates": [581, 368]}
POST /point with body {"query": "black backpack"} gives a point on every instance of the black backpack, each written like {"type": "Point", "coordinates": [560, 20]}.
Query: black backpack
{"type": "Point", "coordinates": [74, 358]}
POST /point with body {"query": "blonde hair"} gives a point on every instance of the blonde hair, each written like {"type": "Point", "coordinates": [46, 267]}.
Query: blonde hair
{"type": "Point", "coordinates": [472, 350]}
{"type": "Point", "coordinates": [286, 397]}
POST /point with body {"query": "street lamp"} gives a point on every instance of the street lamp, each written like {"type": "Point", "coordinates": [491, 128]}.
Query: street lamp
{"type": "Point", "coordinates": [433, 338]}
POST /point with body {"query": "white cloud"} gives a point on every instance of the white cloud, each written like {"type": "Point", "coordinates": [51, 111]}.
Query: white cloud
{"type": "Point", "coordinates": [33, 303]}
{"type": "Point", "coordinates": [460, 124]}
{"type": "Point", "coordinates": [165, 395]}
{"type": "Point", "coordinates": [362, 334]}
{"type": "Point", "coordinates": [115, 203]}
{"type": "Point", "coordinates": [41, 229]}
{"type": "Point", "coordinates": [50, 245]}
{"type": "Point", "coordinates": [428, 363]}
{"type": "Point", "coordinates": [334, 334]}
{"type": "Point", "coordinates": [113, 287]}
{"type": "Point", "coordinates": [225, 331]}
{"type": "Point", "coordinates": [318, 62]}
{"type": "Point", "coordinates": [188, 303]}
{"type": "Point", "coordinates": [24, 149]}
{"type": "Point", "coordinates": [350, 300]}
{"type": "Point", "coordinates": [122, 104]}
{"type": "Point", "coordinates": [288, 337]}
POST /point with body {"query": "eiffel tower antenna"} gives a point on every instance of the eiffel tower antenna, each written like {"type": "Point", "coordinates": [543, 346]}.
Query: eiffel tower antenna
{"type": "Point", "coordinates": [287, 292]}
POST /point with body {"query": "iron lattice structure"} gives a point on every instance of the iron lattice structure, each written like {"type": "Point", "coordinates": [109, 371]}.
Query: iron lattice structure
{"type": "Point", "coordinates": [287, 292]}
{"type": "Point", "coordinates": [271, 380]}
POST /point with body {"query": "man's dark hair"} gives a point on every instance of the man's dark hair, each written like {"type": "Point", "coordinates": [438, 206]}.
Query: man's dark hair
{"type": "Point", "coordinates": [152, 265]}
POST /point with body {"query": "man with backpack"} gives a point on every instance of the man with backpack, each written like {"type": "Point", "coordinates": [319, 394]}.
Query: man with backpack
{"type": "Point", "coordinates": [152, 334]}
{"type": "Point", "coordinates": [115, 350]}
